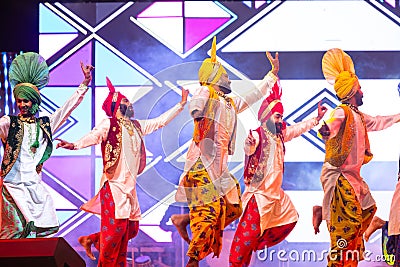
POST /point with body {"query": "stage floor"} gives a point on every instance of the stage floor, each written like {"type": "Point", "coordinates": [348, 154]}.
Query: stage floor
{"type": "Point", "coordinates": [294, 254]}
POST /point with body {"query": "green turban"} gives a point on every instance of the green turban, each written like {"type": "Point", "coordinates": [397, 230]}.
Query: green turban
{"type": "Point", "coordinates": [27, 91]}
{"type": "Point", "coordinates": [27, 75]}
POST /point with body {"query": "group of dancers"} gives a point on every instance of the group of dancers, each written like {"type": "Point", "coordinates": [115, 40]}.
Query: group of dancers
{"type": "Point", "coordinates": [265, 212]}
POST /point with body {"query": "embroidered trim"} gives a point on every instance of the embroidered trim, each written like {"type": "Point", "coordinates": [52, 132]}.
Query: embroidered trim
{"type": "Point", "coordinates": [31, 119]}
{"type": "Point", "coordinates": [12, 146]}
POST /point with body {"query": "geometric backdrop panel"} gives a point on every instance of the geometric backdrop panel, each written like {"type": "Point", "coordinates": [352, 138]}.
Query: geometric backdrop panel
{"type": "Point", "coordinates": [148, 49]}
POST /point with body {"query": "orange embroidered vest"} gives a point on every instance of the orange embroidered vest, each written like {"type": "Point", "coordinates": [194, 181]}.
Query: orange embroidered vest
{"type": "Point", "coordinates": [338, 148]}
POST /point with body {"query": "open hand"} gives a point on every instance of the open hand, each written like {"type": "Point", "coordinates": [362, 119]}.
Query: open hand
{"type": "Point", "coordinates": [321, 111]}
{"type": "Point", "coordinates": [185, 94]}
{"type": "Point", "coordinates": [274, 62]}
{"type": "Point", "coordinates": [87, 73]}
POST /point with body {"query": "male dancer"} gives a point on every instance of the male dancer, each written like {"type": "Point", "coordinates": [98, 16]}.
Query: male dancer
{"type": "Point", "coordinates": [212, 193]}
{"type": "Point", "coordinates": [269, 214]}
{"type": "Point", "coordinates": [124, 158]}
{"type": "Point", "coordinates": [27, 208]}
{"type": "Point", "coordinates": [348, 206]}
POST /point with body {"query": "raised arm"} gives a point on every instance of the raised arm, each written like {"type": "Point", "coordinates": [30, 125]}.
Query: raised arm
{"type": "Point", "coordinates": [149, 126]}
{"type": "Point", "coordinates": [257, 92]}
{"type": "Point", "coordinates": [302, 127]}
{"type": "Point", "coordinates": [330, 128]}
{"type": "Point", "coordinates": [274, 62]}
{"type": "Point", "coordinates": [198, 102]}
{"type": "Point", "coordinates": [96, 135]}
{"type": "Point", "coordinates": [378, 123]}
{"type": "Point", "coordinates": [62, 113]}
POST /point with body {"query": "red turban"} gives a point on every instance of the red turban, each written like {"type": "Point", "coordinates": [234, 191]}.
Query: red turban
{"type": "Point", "coordinates": [272, 103]}
{"type": "Point", "coordinates": [113, 97]}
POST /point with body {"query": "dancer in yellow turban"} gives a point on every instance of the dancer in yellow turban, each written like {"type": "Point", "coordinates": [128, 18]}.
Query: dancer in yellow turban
{"type": "Point", "coordinates": [212, 193]}
{"type": "Point", "coordinates": [348, 206]}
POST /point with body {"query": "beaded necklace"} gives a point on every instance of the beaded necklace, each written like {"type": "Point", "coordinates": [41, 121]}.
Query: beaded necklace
{"type": "Point", "coordinates": [26, 119]}
{"type": "Point", "coordinates": [225, 97]}
{"type": "Point", "coordinates": [34, 141]}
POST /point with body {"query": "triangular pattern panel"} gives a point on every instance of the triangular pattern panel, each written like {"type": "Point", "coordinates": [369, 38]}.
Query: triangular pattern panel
{"type": "Point", "coordinates": [167, 30]}
{"type": "Point", "coordinates": [162, 9]}
{"type": "Point", "coordinates": [50, 44]}
{"type": "Point", "coordinates": [109, 64]}
{"type": "Point", "coordinates": [198, 29]}
{"type": "Point", "coordinates": [69, 72]}
{"type": "Point", "coordinates": [52, 23]}
{"type": "Point", "coordinates": [74, 171]}
{"type": "Point", "coordinates": [204, 9]}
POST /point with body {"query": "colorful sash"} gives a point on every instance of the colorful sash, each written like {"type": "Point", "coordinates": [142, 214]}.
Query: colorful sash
{"type": "Point", "coordinates": [204, 126]}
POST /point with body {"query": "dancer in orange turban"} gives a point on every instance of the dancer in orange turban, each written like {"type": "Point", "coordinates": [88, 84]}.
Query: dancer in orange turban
{"type": "Point", "coordinates": [348, 206]}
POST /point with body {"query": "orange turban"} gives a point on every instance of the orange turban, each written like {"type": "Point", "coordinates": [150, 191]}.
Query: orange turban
{"type": "Point", "coordinates": [344, 85]}
{"type": "Point", "coordinates": [338, 69]}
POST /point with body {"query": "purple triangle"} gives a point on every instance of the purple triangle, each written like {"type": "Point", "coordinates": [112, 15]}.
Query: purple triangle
{"type": "Point", "coordinates": [69, 72]}
{"type": "Point", "coordinates": [73, 171]}
{"type": "Point", "coordinates": [197, 29]}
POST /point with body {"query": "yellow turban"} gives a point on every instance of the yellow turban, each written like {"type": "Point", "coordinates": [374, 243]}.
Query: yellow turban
{"type": "Point", "coordinates": [338, 69]}
{"type": "Point", "coordinates": [211, 70]}
{"type": "Point", "coordinates": [344, 85]}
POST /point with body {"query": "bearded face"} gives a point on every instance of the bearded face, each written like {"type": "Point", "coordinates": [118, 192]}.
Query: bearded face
{"type": "Point", "coordinates": [275, 123]}
{"type": "Point", "coordinates": [225, 84]}
{"type": "Point", "coordinates": [126, 108]}
{"type": "Point", "coordinates": [278, 127]}
{"type": "Point", "coordinates": [359, 98]}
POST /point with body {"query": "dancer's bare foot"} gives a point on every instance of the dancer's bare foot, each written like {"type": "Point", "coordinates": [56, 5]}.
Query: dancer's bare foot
{"type": "Point", "coordinates": [192, 263]}
{"type": "Point", "coordinates": [376, 223]}
{"type": "Point", "coordinates": [316, 218]}
{"type": "Point", "coordinates": [180, 221]}
{"type": "Point", "coordinates": [86, 243]}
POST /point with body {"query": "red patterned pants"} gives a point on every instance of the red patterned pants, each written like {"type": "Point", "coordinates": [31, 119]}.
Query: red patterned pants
{"type": "Point", "coordinates": [112, 240]}
{"type": "Point", "coordinates": [248, 236]}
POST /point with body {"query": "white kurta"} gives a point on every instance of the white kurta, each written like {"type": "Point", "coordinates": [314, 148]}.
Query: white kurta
{"type": "Point", "coordinates": [274, 205]}
{"type": "Point", "coordinates": [214, 153]}
{"type": "Point", "coordinates": [352, 165]}
{"type": "Point", "coordinates": [24, 184]}
{"type": "Point", "coordinates": [123, 182]}
{"type": "Point", "coordinates": [394, 216]}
